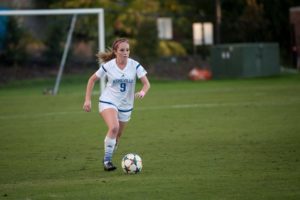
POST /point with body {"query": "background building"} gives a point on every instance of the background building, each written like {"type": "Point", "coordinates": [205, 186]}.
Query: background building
{"type": "Point", "coordinates": [295, 35]}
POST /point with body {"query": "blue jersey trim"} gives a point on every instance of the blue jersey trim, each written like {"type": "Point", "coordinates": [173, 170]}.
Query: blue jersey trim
{"type": "Point", "coordinates": [107, 103]}
{"type": "Point", "coordinates": [138, 66]}
{"type": "Point", "coordinates": [129, 110]}
{"type": "Point", "coordinates": [103, 68]}
{"type": "Point", "coordinates": [120, 110]}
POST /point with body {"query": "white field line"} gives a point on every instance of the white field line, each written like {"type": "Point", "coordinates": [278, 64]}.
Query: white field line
{"type": "Point", "coordinates": [214, 105]}
{"type": "Point", "coordinates": [164, 107]}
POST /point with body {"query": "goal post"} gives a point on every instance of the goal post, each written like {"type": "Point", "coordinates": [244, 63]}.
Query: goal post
{"type": "Point", "coordinates": [88, 11]}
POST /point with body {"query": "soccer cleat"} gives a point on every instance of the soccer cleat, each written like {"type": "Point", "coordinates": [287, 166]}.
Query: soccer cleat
{"type": "Point", "coordinates": [108, 166]}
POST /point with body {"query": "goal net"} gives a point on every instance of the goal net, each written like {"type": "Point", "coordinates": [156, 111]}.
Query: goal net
{"type": "Point", "coordinates": [53, 32]}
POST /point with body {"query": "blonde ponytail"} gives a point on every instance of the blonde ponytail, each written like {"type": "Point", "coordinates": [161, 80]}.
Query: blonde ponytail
{"type": "Point", "coordinates": [106, 56]}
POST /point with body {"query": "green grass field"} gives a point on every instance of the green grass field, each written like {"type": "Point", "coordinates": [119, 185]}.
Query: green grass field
{"type": "Point", "coordinates": [226, 139]}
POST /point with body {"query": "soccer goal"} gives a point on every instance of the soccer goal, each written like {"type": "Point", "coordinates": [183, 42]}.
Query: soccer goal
{"type": "Point", "coordinates": [74, 12]}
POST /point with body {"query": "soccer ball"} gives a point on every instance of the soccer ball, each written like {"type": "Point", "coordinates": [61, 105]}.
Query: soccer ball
{"type": "Point", "coordinates": [132, 163]}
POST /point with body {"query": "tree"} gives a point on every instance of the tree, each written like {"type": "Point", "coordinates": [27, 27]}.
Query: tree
{"type": "Point", "coordinates": [147, 41]}
{"type": "Point", "coordinates": [253, 26]}
{"type": "Point", "coordinates": [14, 44]}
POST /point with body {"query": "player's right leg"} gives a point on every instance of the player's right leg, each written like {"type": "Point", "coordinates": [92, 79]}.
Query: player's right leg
{"type": "Point", "coordinates": [110, 116]}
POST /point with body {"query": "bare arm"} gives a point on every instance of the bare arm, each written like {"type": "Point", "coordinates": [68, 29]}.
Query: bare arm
{"type": "Point", "coordinates": [145, 89]}
{"type": "Point", "coordinates": [87, 106]}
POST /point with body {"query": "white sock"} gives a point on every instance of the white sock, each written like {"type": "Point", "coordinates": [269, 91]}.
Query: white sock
{"type": "Point", "coordinates": [109, 145]}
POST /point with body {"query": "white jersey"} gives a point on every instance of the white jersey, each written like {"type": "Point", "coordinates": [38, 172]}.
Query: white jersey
{"type": "Point", "coordinates": [120, 87]}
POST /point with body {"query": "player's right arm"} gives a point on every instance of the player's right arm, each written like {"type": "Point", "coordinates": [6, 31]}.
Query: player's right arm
{"type": "Point", "coordinates": [87, 106]}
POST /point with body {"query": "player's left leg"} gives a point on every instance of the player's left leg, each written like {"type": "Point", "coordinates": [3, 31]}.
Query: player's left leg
{"type": "Point", "coordinates": [124, 117]}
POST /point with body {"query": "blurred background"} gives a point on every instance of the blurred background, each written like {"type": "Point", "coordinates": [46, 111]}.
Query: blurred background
{"type": "Point", "coordinates": [171, 38]}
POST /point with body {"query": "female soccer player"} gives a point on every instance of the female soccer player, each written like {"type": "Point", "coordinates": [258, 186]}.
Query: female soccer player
{"type": "Point", "coordinates": [116, 101]}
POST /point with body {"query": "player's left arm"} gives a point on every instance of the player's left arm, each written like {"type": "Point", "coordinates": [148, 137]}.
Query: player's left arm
{"type": "Point", "coordinates": [145, 88]}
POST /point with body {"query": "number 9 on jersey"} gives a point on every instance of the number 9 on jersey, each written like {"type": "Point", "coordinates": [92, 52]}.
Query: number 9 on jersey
{"type": "Point", "coordinates": [122, 87]}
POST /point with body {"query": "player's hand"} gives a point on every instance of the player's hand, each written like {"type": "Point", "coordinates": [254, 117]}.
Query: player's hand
{"type": "Point", "coordinates": [140, 94]}
{"type": "Point", "coordinates": [87, 106]}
